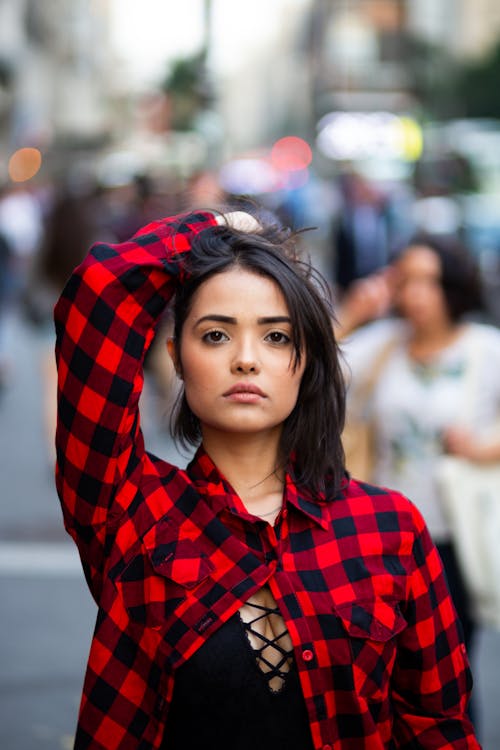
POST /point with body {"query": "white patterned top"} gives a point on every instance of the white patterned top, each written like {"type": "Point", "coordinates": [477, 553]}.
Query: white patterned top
{"type": "Point", "coordinates": [412, 403]}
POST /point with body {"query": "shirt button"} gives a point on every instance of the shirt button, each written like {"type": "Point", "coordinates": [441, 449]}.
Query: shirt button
{"type": "Point", "coordinates": [308, 655]}
{"type": "Point", "coordinates": [327, 747]}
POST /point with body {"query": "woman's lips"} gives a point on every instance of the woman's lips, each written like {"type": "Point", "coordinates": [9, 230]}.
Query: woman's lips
{"type": "Point", "coordinates": [244, 397]}
{"type": "Point", "coordinates": [244, 393]}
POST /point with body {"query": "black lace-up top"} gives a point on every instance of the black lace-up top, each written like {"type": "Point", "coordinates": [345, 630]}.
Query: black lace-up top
{"type": "Point", "coordinates": [275, 665]}
{"type": "Point", "coordinates": [237, 693]}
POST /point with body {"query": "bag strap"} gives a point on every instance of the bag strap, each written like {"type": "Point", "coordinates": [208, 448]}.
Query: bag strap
{"type": "Point", "coordinates": [473, 346]}
{"type": "Point", "coordinates": [367, 385]}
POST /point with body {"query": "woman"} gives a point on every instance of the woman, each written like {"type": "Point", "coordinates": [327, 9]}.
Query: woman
{"type": "Point", "coordinates": [424, 401]}
{"type": "Point", "coordinates": [257, 599]}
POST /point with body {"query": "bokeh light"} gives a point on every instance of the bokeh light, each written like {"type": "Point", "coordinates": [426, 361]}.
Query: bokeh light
{"type": "Point", "coordinates": [24, 164]}
{"type": "Point", "coordinates": [296, 179]}
{"type": "Point", "coordinates": [250, 176]}
{"type": "Point", "coordinates": [291, 153]}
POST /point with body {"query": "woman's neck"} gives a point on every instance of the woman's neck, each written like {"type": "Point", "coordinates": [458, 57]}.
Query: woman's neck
{"type": "Point", "coordinates": [429, 340]}
{"type": "Point", "coordinates": [250, 464]}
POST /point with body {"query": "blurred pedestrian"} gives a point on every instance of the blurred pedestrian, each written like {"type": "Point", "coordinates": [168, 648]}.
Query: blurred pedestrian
{"type": "Point", "coordinates": [70, 227]}
{"type": "Point", "coordinates": [258, 599]}
{"type": "Point", "coordinates": [21, 225]}
{"type": "Point", "coordinates": [360, 230]}
{"type": "Point", "coordinates": [20, 232]}
{"type": "Point", "coordinates": [414, 406]}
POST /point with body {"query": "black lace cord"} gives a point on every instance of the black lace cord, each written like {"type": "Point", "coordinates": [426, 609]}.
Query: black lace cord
{"type": "Point", "coordinates": [274, 669]}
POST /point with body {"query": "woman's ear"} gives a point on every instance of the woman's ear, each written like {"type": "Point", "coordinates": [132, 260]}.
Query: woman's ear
{"type": "Point", "coordinates": [172, 350]}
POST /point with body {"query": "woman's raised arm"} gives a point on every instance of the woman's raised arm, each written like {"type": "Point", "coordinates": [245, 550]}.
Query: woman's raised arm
{"type": "Point", "coordinates": [105, 321]}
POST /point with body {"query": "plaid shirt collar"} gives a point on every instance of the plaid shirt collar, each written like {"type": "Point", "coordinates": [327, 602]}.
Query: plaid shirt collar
{"type": "Point", "coordinates": [221, 497]}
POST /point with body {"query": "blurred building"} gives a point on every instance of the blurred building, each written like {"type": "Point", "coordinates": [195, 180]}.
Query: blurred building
{"type": "Point", "coordinates": [54, 64]}
{"type": "Point", "coordinates": [303, 58]}
{"type": "Point", "coordinates": [276, 68]}
{"type": "Point", "coordinates": [467, 28]}
{"type": "Point", "coordinates": [358, 49]}
{"type": "Point", "coordinates": [368, 53]}
{"type": "Point", "coordinates": [259, 59]}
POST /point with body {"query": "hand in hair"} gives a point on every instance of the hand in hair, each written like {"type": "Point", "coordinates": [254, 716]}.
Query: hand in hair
{"type": "Point", "coordinates": [239, 220]}
{"type": "Point", "coordinates": [366, 300]}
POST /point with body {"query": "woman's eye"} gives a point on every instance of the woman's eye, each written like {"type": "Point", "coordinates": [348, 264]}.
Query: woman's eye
{"type": "Point", "coordinates": [278, 337]}
{"type": "Point", "coordinates": [215, 337]}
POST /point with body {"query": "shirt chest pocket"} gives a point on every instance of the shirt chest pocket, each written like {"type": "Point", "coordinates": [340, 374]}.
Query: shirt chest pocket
{"type": "Point", "coordinates": [162, 577]}
{"type": "Point", "coordinates": [372, 628]}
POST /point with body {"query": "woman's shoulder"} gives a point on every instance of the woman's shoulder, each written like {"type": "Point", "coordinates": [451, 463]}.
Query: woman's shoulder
{"type": "Point", "coordinates": [365, 343]}
{"type": "Point", "coordinates": [483, 332]}
{"type": "Point", "coordinates": [392, 510]}
{"type": "Point", "coordinates": [358, 488]}
{"type": "Point", "coordinates": [481, 341]}
{"type": "Point", "coordinates": [378, 331]}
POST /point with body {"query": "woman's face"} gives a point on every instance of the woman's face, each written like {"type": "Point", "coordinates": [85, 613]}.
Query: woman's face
{"type": "Point", "coordinates": [419, 293]}
{"type": "Point", "coordinates": [236, 355]}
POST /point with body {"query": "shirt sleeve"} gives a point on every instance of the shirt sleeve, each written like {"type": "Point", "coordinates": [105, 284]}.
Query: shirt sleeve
{"type": "Point", "coordinates": [105, 320]}
{"type": "Point", "coordinates": [432, 679]}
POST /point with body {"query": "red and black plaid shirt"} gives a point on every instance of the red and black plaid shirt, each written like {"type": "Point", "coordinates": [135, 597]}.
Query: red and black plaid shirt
{"type": "Point", "coordinates": [170, 555]}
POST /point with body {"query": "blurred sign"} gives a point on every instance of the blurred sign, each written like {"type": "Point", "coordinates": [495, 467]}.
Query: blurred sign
{"type": "Point", "coordinates": [359, 135]}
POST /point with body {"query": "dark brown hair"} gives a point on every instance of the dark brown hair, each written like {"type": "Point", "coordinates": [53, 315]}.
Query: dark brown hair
{"type": "Point", "coordinates": [311, 433]}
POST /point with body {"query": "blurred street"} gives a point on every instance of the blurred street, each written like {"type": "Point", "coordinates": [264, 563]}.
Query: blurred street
{"type": "Point", "coordinates": [47, 612]}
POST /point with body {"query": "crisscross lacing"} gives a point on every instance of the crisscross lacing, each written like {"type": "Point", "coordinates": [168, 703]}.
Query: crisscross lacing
{"type": "Point", "coordinates": [273, 653]}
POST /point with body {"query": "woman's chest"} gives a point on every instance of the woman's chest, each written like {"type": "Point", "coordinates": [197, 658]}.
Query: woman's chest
{"type": "Point", "coordinates": [427, 396]}
{"type": "Point", "coordinates": [184, 587]}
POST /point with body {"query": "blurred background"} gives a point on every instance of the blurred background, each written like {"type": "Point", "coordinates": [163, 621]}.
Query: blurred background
{"type": "Point", "coordinates": [115, 112]}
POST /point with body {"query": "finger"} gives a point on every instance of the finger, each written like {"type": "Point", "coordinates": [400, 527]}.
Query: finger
{"type": "Point", "coordinates": [239, 220]}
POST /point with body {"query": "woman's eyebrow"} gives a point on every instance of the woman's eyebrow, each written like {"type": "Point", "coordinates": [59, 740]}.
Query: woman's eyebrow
{"type": "Point", "coordinates": [274, 319]}
{"type": "Point", "coordinates": [233, 321]}
{"type": "Point", "coordinates": [217, 319]}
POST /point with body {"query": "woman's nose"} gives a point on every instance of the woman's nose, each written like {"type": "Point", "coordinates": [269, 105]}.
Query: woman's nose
{"type": "Point", "coordinates": [245, 360]}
